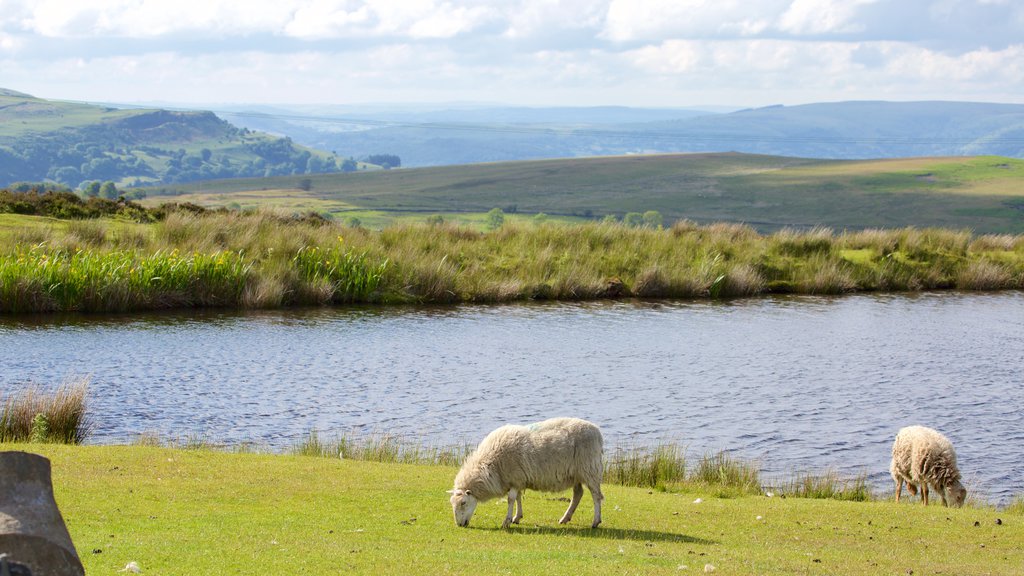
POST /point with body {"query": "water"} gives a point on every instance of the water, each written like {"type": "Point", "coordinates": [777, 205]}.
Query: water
{"type": "Point", "coordinates": [799, 384]}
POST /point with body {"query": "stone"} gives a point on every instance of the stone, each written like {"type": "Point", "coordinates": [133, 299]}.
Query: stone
{"type": "Point", "coordinates": [32, 531]}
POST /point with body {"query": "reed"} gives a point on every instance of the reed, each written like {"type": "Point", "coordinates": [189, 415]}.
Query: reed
{"type": "Point", "coordinates": [36, 416]}
{"type": "Point", "coordinates": [656, 468]}
{"type": "Point", "coordinates": [828, 485]}
{"type": "Point", "coordinates": [262, 260]}
{"type": "Point", "coordinates": [727, 472]}
{"type": "Point", "coordinates": [41, 279]}
{"type": "Point", "coordinates": [386, 448]}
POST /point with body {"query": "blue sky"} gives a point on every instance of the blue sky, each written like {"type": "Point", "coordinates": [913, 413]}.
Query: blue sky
{"type": "Point", "coordinates": [524, 52]}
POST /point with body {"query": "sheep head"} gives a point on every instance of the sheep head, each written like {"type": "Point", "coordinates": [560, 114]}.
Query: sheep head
{"type": "Point", "coordinates": [463, 505]}
{"type": "Point", "coordinates": [955, 494]}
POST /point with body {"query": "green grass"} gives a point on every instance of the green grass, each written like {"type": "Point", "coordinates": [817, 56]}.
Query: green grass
{"type": "Point", "coordinates": [206, 512]}
{"type": "Point", "coordinates": [263, 260]}
{"type": "Point", "coordinates": [769, 193]}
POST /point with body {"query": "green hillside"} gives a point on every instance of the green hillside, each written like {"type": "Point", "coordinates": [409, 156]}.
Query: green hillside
{"type": "Point", "coordinates": [72, 143]}
{"type": "Point", "coordinates": [985, 194]}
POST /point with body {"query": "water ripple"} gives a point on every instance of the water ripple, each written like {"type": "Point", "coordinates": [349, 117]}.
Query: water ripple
{"type": "Point", "coordinates": [798, 383]}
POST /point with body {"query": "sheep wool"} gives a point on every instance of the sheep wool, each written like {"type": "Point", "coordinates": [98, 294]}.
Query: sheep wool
{"type": "Point", "coordinates": [923, 458]}
{"type": "Point", "coordinates": [549, 456]}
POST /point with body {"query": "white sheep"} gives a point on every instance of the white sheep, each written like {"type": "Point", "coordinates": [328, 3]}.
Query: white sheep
{"type": "Point", "coordinates": [550, 456]}
{"type": "Point", "coordinates": [922, 457]}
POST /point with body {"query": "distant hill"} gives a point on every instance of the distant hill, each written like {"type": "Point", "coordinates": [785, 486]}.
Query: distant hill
{"type": "Point", "coordinates": [72, 143]}
{"type": "Point", "coordinates": [842, 130]}
{"type": "Point", "coordinates": [984, 194]}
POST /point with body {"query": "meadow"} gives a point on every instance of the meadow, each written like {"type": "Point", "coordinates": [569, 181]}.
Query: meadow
{"type": "Point", "coordinates": [263, 260]}
{"type": "Point", "coordinates": [202, 511]}
{"type": "Point", "coordinates": [984, 194]}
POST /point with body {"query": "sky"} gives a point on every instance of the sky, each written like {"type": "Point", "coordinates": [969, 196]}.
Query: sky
{"type": "Point", "coordinates": [641, 53]}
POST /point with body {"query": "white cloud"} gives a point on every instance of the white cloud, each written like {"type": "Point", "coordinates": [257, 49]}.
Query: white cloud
{"type": "Point", "coordinates": [822, 17]}
{"type": "Point", "coordinates": [629, 52]}
{"type": "Point", "coordinates": [647, 20]}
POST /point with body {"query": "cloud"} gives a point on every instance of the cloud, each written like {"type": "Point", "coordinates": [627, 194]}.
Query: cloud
{"type": "Point", "coordinates": [822, 17]}
{"type": "Point", "coordinates": [538, 51]}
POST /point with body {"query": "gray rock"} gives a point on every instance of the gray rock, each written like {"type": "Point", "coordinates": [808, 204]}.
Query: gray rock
{"type": "Point", "coordinates": [32, 530]}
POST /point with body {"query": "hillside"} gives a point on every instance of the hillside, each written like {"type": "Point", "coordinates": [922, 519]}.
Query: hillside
{"type": "Point", "coordinates": [985, 194]}
{"type": "Point", "coordinates": [840, 130]}
{"type": "Point", "coordinates": [72, 143]}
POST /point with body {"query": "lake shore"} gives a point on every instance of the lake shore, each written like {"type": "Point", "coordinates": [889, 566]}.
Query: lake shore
{"type": "Point", "coordinates": [215, 512]}
{"type": "Point", "coordinates": [259, 261]}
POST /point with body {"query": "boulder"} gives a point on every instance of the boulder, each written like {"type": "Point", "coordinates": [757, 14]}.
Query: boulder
{"type": "Point", "coordinates": [32, 531]}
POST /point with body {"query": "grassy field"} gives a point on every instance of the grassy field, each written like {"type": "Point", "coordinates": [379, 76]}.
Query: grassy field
{"type": "Point", "coordinates": [206, 512]}
{"type": "Point", "coordinates": [264, 260]}
{"type": "Point", "coordinates": [984, 194]}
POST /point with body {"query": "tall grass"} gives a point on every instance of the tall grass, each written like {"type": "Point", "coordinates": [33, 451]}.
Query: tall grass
{"type": "Point", "coordinates": [260, 260]}
{"type": "Point", "coordinates": [386, 448]}
{"type": "Point", "coordinates": [665, 464]}
{"type": "Point", "coordinates": [33, 415]}
{"type": "Point", "coordinates": [828, 486]}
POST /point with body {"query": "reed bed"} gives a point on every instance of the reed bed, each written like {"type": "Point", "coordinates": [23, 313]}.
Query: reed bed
{"type": "Point", "coordinates": [262, 261]}
{"type": "Point", "coordinates": [33, 415]}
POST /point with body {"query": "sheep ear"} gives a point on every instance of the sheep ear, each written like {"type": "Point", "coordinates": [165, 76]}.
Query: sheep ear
{"type": "Point", "coordinates": [468, 492]}
{"type": "Point", "coordinates": [450, 492]}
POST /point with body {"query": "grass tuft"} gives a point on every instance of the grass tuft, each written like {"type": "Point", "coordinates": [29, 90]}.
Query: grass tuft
{"type": "Point", "coordinates": [35, 416]}
{"type": "Point", "coordinates": [828, 486]}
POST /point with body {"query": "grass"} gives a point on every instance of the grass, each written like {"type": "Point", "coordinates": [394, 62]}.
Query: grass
{"type": "Point", "coordinates": [209, 512]}
{"type": "Point", "coordinates": [262, 260]}
{"type": "Point", "coordinates": [39, 417]}
{"type": "Point", "coordinates": [828, 485]}
{"type": "Point", "coordinates": [768, 192]}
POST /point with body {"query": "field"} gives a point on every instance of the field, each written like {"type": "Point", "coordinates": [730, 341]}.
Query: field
{"type": "Point", "coordinates": [983, 194]}
{"type": "Point", "coordinates": [207, 512]}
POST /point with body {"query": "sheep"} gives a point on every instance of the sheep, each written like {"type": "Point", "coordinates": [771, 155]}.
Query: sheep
{"type": "Point", "coordinates": [921, 457]}
{"type": "Point", "coordinates": [550, 456]}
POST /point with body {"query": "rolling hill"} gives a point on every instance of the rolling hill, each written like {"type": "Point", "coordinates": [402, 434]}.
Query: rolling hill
{"type": "Point", "coordinates": [72, 143]}
{"type": "Point", "coordinates": [840, 130]}
{"type": "Point", "coordinates": [984, 194]}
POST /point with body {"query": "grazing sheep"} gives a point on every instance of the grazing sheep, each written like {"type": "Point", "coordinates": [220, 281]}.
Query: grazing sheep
{"type": "Point", "coordinates": [550, 456]}
{"type": "Point", "coordinates": [922, 457]}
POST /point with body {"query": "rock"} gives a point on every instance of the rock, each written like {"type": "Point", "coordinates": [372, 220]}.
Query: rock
{"type": "Point", "coordinates": [32, 530]}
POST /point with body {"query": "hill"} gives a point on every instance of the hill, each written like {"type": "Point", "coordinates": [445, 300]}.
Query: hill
{"type": "Point", "coordinates": [985, 194]}
{"type": "Point", "coordinates": [841, 130]}
{"type": "Point", "coordinates": [72, 143]}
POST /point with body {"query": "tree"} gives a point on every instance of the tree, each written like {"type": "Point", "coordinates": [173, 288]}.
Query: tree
{"type": "Point", "coordinates": [306, 184]}
{"type": "Point", "coordinates": [633, 219]}
{"type": "Point", "coordinates": [386, 161]}
{"type": "Point", "coordinates": [653, 219]}
{"type": "Point", "coordinates": [92, 189]}
{"type": "Point", "coordinates": [495, 219]}
{"type": "Point", "coordinates": [109, 190]}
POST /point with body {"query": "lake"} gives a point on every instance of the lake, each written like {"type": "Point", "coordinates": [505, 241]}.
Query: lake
{"type": "Point", "coordinates": [796, 383]}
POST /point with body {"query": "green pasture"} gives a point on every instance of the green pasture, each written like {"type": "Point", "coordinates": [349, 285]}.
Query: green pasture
{"type": "Point", "coordinates": [176, 511]}
{"type": "Point", "coordinates": [983, 194]}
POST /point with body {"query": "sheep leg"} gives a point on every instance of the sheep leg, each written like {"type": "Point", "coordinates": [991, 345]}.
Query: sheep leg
{"type": "Point", "coordinates": [513, 494]}
{"type": "Point", "coordinates": [899, 488]}
{"type": "Point", "coordinates": [577, 495]}
{"type": "Point", "coordinates": [595, 493]}
{"type": "Point", "coordinates": [519, 508]}
{"type": "Point", "coordinates": [924, 493]}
